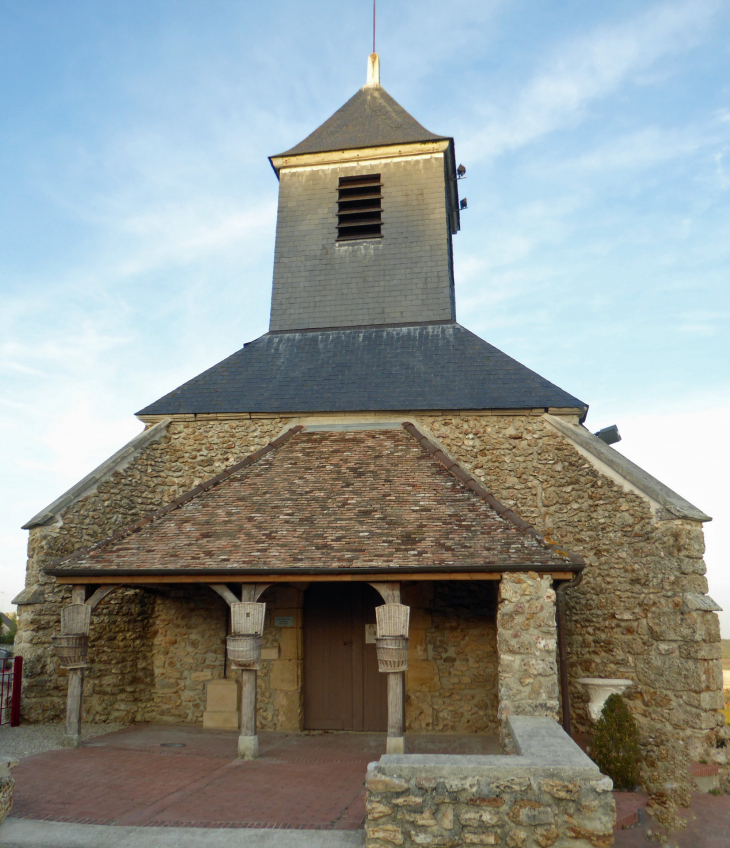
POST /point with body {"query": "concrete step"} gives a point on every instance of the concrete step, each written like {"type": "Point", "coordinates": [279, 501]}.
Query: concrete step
{"type": "Point", "coordinates": [30, 833]}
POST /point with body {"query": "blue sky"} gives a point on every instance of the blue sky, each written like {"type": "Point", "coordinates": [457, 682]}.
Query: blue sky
{"type": "Point", "coordinates": [137, 209]}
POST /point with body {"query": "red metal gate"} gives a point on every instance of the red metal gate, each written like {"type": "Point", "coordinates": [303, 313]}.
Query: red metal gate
{"type": "Point", "coordinates": [11, 678]}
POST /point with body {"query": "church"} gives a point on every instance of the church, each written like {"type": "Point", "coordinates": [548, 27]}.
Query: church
{"type": "Point", "coordinates": [370, 519]}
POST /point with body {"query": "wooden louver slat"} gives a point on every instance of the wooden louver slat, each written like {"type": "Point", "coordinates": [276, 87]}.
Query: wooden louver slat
{"type": "Point", "coordinates": [359, 207]}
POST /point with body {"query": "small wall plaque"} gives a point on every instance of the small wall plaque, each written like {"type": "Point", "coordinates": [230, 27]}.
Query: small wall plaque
{"type": "Point", "coordinates": [284, 621]}
{"type": "Point", "coordinates": [370, 633]}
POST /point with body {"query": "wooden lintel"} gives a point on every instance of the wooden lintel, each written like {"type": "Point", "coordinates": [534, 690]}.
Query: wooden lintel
{"type": "Point", "coordinates": [162, 579]}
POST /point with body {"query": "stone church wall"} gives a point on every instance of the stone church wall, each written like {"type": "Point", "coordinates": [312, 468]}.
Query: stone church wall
{"type": "Point", "coordinates": [628, 618]}
{"type": "Point", "coordinates": [451, 682]}
{"type": "Point", "coordinates": [119, 681]}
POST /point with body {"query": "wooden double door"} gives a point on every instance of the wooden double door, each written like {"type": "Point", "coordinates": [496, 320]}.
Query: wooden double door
{"type": "Point", "coordinates": [343, 689]}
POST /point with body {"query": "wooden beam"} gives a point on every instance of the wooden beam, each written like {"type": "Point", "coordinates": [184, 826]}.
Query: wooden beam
{"type": "Point", "coordinates": [224, 592]}
{"type": "Point", "coordinates": [216, 577]}
{"type": "Point", "coordinates": [259, 590]}
{"type": "Point", "coordinates": [78, 593]}
{"type": "Point", "coordinates": [389, 592]}
{"type": "Point", "coordinates": [101, 593]}
{"type": "Point", "coordinates": [253, 591]}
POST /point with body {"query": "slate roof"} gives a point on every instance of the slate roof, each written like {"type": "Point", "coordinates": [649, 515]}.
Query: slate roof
{"type": "Point", "coordinates": [371, 118]}
{"type": "Point", "coordinates": [424, 367]}
{"type": "Point", "coordinates": [333, 501]}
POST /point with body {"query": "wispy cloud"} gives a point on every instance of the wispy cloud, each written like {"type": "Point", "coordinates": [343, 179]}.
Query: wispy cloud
{"type": "Point", "coordinates": [589, 68]}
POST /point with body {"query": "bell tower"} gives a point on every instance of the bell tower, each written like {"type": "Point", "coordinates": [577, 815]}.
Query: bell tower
{"type": "Point", "coordinates": [367, 207]}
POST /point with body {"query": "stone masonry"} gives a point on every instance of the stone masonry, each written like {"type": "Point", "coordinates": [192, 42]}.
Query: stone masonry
{"type": "Point", "coordinates": [118, 684]}
{"type": "Point", "coordinates": [551, 794]}
{"type": "Point", "coordinates": [526, 646]}
{"type": "Point", "coordinates": [630, 617]}
{"type": "Point", "coordinates": [451, 682]}
{"type": "Point", "coordinates": [405, 276]}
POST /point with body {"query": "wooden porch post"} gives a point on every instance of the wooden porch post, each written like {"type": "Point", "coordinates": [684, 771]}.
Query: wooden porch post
{"type": "Point", "coordinates": [395, 743]}
{"type": "Point", "coordinates": [72, 734]}
{"type": "Point", "coordinates": [248, 740]}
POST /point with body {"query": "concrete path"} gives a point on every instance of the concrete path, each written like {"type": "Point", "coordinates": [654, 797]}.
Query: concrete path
{"type": "Point", "coordinates": [20, 833]}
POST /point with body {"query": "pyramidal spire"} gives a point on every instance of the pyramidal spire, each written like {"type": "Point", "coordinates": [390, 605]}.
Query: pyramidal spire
{"type": "Point", "coordinates": [373, 71]}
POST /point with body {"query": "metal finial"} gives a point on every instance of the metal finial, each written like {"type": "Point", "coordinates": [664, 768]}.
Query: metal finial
{"type": "Point", "coordinates": [374, 2]}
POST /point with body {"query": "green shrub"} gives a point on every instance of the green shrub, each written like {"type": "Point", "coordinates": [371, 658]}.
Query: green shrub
{"type": "Point", "coordinates": [615, 746]}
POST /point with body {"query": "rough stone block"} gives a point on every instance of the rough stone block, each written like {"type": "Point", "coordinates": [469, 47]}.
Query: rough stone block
{"type": "Point", "coordinates": [527, 812]}
{"type": "Point", "coordinates": [220, 720]}
{"type": "Point", "coordinates": [286, 675]}
{"type": "Point", "coordinates": [382, 783]}
{"type": "Point", "coordinates": [417, 649]}
{"type": "Point", "coordinates": [6, 796]}
{"type": "Point", "coordinates": [222, 696]}
{"type": "Point", "coordinates": [290, 643]}
{"type": "Point", "coordinates": [422, 675]}
{"type": "Point", "coordinates": [288, 710]}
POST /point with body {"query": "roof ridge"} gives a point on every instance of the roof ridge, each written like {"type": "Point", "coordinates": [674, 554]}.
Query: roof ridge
{"type": "Point", "coordinates": [456, 469]}
{"type": "Point", "coordinates": [177, 502]}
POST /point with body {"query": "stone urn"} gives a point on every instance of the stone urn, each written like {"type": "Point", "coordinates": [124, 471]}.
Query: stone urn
{"type": "Point", "coordinates": [599, 688]}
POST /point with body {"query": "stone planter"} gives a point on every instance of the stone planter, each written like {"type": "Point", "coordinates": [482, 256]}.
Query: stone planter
{"type": "Point", "coordinates": [599, 688]}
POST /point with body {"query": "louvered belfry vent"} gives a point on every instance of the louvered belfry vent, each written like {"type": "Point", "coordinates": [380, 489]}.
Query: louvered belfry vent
{"type": "Point", "coordinates": [359, 207]}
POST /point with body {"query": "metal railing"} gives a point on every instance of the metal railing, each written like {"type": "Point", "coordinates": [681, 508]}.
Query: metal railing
{"type": "Point", "coordinates": [11, 678]}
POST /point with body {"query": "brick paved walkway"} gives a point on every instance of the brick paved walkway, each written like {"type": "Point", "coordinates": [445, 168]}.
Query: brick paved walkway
{"type": "Point", "coordinates": [139, 776]}
{"type": "Point", "coordinates": [708, 823]}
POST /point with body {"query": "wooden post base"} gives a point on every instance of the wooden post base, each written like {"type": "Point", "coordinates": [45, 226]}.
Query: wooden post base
{"type": "Point", "coordinates": [395, 745]}
{"type": "Point", "coordinates": [73, 707]}
{"type": "Point", "coordinates": [248, 747]}
{"type": "Point", "coordinates": [248, 741]}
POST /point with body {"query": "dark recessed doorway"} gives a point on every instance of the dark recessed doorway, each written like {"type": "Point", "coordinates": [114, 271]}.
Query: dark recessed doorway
{"type": "Point", "coordinates": [343, 689]}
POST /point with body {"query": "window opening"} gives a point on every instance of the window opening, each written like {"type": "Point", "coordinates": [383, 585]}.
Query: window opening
{"type": "Point", "coordinates": [359, 207]}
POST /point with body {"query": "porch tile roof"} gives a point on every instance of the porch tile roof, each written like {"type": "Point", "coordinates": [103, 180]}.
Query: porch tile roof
{"type": "Point", "coordinates": [363, 500]}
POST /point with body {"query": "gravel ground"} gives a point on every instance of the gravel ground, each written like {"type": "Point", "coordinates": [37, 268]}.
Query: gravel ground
{"type": "Point", "coordinates": [29, 739]}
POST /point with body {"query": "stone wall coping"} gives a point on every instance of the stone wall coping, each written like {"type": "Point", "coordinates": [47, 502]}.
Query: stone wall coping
{"type": "Point", "coordinates": [666, 503]}
{"type": "Point", "coordinates": [115, 462]}
{"type": "Point", "coordinates": [543, 748]}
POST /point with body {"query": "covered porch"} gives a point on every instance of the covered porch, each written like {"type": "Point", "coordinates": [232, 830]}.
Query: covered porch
{"type": "Point", "coordinates": [310, 536]}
